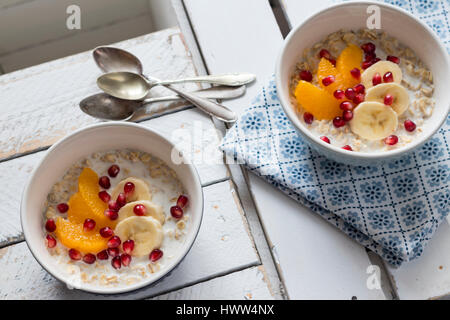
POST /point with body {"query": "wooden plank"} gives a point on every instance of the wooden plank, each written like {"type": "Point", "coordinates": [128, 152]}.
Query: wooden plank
{"type": "Point", "coordinates": [240, 41]}
{"type": "Point", "coordinates": [180, 127]}
{"type": "Point", "coordinates": [297, 11]}
{"type": "Point", "coordinates": [428, 277]}
{"type": "Point", "coordinates": [222, 246]}
{"type": "Point", "coordinates": [39, 105]}
{"type": "Point", "coordinates": [248, 284]}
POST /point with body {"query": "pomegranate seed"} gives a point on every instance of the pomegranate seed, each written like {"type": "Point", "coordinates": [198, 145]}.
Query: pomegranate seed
{"type": "Point", "coordinates": [50, 225]}
{"type": "Point", "coordinates": [128, 246]}
{"type": "Point", "coordinates": [368, 47]}
{"type": "Point", "coordinates": [370, 56]}
{"type": "Point", "coordinates": [104, 196]}
{"type": "Point", "coordinates": [324, 53]}
{"type": "Point", "coordinates": [393, 59]}
{"type": "Point", "coordinates": [113, 205]}
{"type": "Point", "coordinates": [89, 258]}
{"type": "Point", "coordinates": [376, 60]}
{"type": "Point", "coordinates": [113, 171]}
{"type": "Point", "coordinates": [113, 252]}
{"type": "Point", "coordinates": [128, 188]}
{"type": "Point", "coordinates": [116, 262]}
{"type": "Point", "coordinates": [346, 105]}
{"type": "Point", "coordinates": [338, 122]}
{"type": "Point", "coordinates": [139, 210]}
{"type": "Point", "coordinates": [333, 61]}
{"type": "Point", "coordinates": [388, 99]}
{"type": "Point", "coordinates": [328, 80]}
{"type": "Point", "coordinates": [355, 73]}
{"type": "Point", "coordinates": [88, 225]}
{"type": "Point", "coordinates": [391, 140]}
{"type": "Point", "coordinates": [347, 147]}
{"type": "Point", "coordinates": [359, 88]}
{"type": "Point", "coordinates": [114, 242]}
{"type": "Point", "coordinates": [339, 94]}
{"type": "Point", "coordinates": [51, 242]}
{"type": "Point", "coordinates": [347, 115]}
{"type": "Point", "coordinates": [376, 79]}
{"type": "Point", "coordinates": [104, 182]}
{"type": "Point", "coordinates": [121, 200]}
{"type": "Point", "coordinates": [350, 93]}
{"type": "Point", "coordinates": [103, 255]}
{"type": "Point", "coordinates": [366, 64]}
{"type": "Point", "coordinates": [182, 201]}
{"type": "Point", "coordinates": [388, 77]}
{"type": "Point", "coordinates": [324, 138]}
{"type": "Point", "coordinates": [358, 98]}
{"type": "Point", "coordinates": [409, 125]}
{"type": "Point", "coordinates": [308, 117]}
{"type": "Point", "coordinates": [74, 254]}
{"type": "Point", "coordinates": [106, 232]}
{"type": "Point", "coordinates": [176, 212]}
{"type": "Point", "coordinates": [306, 75]}
{"type": "Point", "coordinates": [125, 258]}
{"type": "Point", "coordinates": [111, 214]}
{"type": "Point", "coordinates": [155, 255]}
{"type": "Point", "coordinates": [63, 207]}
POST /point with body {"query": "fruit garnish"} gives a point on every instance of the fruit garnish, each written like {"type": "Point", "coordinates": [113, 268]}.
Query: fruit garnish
{"type": "Point", "coordinates": [317, 101]}
{"type": "Point", "coordinates": [409, 125]}
{"type": "Point", "coordinates": [374, 74]}
{"type": "Point", "coordinates": [88, 188]}
{"type": "Point", "coordinates": [73, 236]}
{"type": "Point", "coordinates": [373, 120]}
{"type": "Point", "coordinates": [325, 70]}
{"type": "Point", "coordinates": [348, 65]}
{"type": "Point", "coordinates": [391, 94]}
{"type": "Point", "coordinates": [79, 211]}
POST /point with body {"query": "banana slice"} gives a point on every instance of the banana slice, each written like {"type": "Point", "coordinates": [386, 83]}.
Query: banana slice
{"type": "Point", "coordinates": [373, 120]}
{"type": "Point", "coordinates": [381, 67]}
{"type": "Point", "coordinates": [401, 96]}
{"type": "Point", "coordinates": [153, 210]}
{"type": "Point", "coordinates": [146, 232]}
{"type": "Point", "coordinates": [141, 191]}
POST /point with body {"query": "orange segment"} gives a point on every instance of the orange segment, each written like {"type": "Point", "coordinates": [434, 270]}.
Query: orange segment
{"type": "Point", "coordinates": [80, 211]}
{"type": "Point", "coordinates": [350, 58]}
{"type": "Point", "coordinates": [73, 236]}
{"type": "Point", "coordinates": [88, 188]}
{"type": "Point", "coordinates": [325, 69]}
{"type": "Point", "coordinates": [317, 101]}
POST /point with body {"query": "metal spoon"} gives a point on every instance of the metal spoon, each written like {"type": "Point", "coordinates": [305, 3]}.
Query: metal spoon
{"type": "Point", "coordinates": [105, 107]}
{"type": "Point", "coordinates": [133, 86]}
{"type": "Point", "coordinates": [109, 59]}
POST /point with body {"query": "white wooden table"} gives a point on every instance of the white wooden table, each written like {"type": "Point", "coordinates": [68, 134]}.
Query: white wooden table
{"type": "Point", "coordinates": [254, 243]}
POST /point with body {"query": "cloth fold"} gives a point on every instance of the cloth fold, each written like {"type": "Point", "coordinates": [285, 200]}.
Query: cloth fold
{"type": "Point", "coordinates": [393, 209]}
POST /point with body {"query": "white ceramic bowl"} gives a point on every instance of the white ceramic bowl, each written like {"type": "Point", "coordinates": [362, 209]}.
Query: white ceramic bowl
{"type": "Point", "coordinates": [101, 137]}
{"type": "Point", "coordinates": [352, 16]}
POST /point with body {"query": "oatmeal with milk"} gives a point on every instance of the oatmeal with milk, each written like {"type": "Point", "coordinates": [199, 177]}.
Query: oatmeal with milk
{"type": "Point", "coordinates": [362, 91]}
{"type": "Point", "coordinates": [116, 218]}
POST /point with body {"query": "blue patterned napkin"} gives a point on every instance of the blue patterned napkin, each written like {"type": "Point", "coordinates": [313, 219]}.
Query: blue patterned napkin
{"type": "Point", "coordinates": [392, 209]}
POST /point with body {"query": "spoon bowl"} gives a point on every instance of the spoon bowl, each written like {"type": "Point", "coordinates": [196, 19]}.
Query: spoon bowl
{"type": "Point", "coordinates": [105, 107]}
{"type": "Point", "coordinates": [110, 59]}
{"type": "Point", "coordinates": [124, 85]}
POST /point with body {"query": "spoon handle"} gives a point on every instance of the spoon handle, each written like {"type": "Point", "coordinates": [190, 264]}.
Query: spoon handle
{"type": "Point", "coordinates": [221, 92]}
{"type": "Point", "coordinates": [212, 108]}
{"type": "Point", "coordinates": [231, 79]}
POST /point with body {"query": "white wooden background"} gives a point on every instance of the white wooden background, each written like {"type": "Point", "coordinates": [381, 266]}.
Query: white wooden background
{"type": "Point", "coordinates": [314, 259]}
